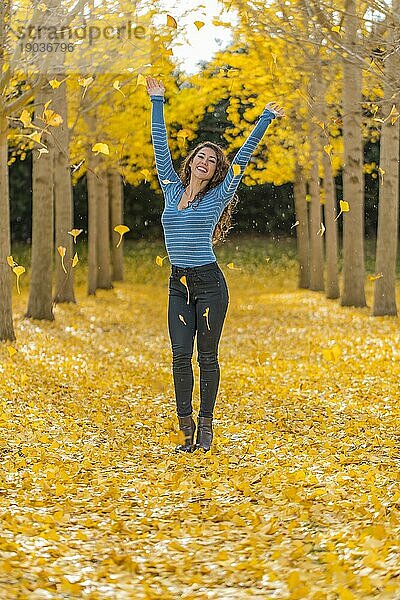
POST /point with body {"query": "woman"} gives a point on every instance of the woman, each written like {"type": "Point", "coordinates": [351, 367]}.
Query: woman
{"type": "Point", "coordinates": [198, 203]}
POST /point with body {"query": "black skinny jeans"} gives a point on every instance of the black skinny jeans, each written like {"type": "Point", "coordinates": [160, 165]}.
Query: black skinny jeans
{"type": "Point", "coordinates": [202, 310]}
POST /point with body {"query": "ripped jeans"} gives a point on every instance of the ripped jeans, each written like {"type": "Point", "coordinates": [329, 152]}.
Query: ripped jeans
{"type": "Point", "coordinates": [200, 307]}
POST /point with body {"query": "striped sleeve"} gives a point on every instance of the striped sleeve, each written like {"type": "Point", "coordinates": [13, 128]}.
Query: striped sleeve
{"type": "Point", "coordinates": [165, 168]}
{"type": "Point", "coordinates": [228, 187]}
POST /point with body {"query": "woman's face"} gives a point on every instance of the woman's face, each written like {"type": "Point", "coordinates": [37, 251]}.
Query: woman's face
{"type": "Point", "coordinates": [204, 163]}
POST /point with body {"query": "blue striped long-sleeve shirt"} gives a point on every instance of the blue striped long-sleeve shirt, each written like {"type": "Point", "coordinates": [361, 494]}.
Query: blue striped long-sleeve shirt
{"type": "Point", "coordinates": [188, 232]}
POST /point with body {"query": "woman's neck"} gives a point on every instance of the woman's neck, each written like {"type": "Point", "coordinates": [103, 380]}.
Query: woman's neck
{"type": "Point", "coordinates": [195, 186]}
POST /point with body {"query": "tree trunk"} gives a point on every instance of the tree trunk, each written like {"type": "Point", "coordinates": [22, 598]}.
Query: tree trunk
{"type": "Point", "coordinates": [302, 229]}
{"type": "Point", "coordinates": [91, 177]}
{"type": "Point", "coordinates": [116, 194]}
{"type": "Point", "coordinates": [353, 176]}
{"type": "Point", "coordinates": [6, 322]}
{"type": "Point", "coordinates": [332, 273]}
{"type": "Point", "coordinates": [40, 305]}
{"type": "Point", "coordinates": [386, 248]}
{"type": "Point", "coordinates": [103, 233]}
{"type": "Point", "coordinates": [63, 198]}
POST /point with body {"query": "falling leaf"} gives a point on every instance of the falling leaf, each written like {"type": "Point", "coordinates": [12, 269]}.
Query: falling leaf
{"type": "Point", "coordinates": [183, 280]}
{"type": "Point", "coordinates": [182, 319]}
{"type": "Point", "coordinates": [52, 118]}
{"type": "Point", "coordinates": [42, 151]}
{"type": "Point", "coordinates": [344, 207]}
{"type": "Point", "coordinates": [321, 230]}
{"type": "Point", "coordinates": [318, 122]}
{"type": "Point", "coordinates": [295, 224]}
{"type": "Point", "coordinates": [11, 261]}
{"type": "Point", "coordinates": [205, 314]}
{"type": "Point", "coordinates": [18, 270]}
{"type": "Point", "coordinates": [236, 170]}
{"type": "Point", "coordinates": [11, 351]}
{"type": "Point", "coordinates": [55, 84]}
{"type": "Point", "coordinates": [141, 80]}
{"type": "Point", "coordinates": [199, 24]}
{"type": "Point", "coordinates": [100, 147]}
{"type": "Point", "coordinates": [308, 197]}
{"type": "Point", "coordinates": [328, 149]}
{"type": "Point", "coordinates": [171, 22]}
{"type": "Point", "coordinates": [75, 233]}
{"type": "Point", "coordinates": [116, 86]}
{"type": "Point", "coordinates": [375, 277]}
{"type": "Point", "coordinates": [381, 173]}
{"type": "Point", "coordinates": [160, 260]}
{"type": "Point", "coordinates": [232, 266]}
{"type": "Point", "coordinates": [121, 229]}
{"type": "Point", "coordinates": [167, 181]}
{"type": "Point", "coordinates": [75, 260]}
{"type": "Point", "coordinates": [146, 174]}
{"type": "Point", "coordinates": [61, 251]}
{"type": "Point", "coordinates": [393, 115]}
{"type": "Point", "coordinates": [332, 353]}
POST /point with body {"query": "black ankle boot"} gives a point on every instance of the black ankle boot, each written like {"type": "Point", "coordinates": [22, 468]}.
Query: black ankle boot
{"type": "Point", "coordinates": [188, 426]}
{"type": "Point", "coordinates": [204, 433]}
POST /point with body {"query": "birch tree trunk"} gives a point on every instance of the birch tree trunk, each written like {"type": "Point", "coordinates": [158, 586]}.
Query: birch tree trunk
{"type": "Point", "coordinates": [353, 175]}
{"type": "Point", "coordinates": [116, 195]}
{"type": "Point", "coordinates": [40, 304]}
{"type": "Point", "coordinates": [63, 197]}
{"type": "Point", "coordinates": [302, 229]}
{"type": "Point", "coordinates": [388, 221]}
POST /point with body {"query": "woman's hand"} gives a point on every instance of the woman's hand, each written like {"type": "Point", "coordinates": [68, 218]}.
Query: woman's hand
{"type": "Point", "coordinates": [154, 87]}
{"type": "Point", "coordinates": [274, 108]}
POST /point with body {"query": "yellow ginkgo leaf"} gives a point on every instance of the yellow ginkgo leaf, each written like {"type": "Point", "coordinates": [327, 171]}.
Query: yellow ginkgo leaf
{"type": "Point", "coordinates": [146, 174]}
{"type": "Point", "coordinates": [295, 224]}
{"type": "Point", "coordinates": [344, 207]}
{"type": "Point", "coordinates": [205, 314]}
{"type": "Point", "coordinates": [167, 181]}
{"type": "Point", "coordinates": [321, 230]}
{"type": "Point", "coordinates": [52, 118]}
{"type": "Point", "coordinates": [141, 80]}
{"type": "Point", "coordinates": [381, 173]}
{"type": "Point", "coordinates": [100, 147]}
{"type": "Point", "coordinates": [171, 22]}
{"type": "Point", "coordinates": [121, 229]}
{"type": "Point", "coordinates": [336, 29]}
{"type": "Point", "coordinates": [236, 170]}
{"type": "Point", "coordinates": [18, 270]}
{"type": "Point", "coordinates": [75, 260]}
{"type": "Point", "coordinates": [308, 197]}
{"type": "Point", "coordinates": [116, 86]}
{"type": "Point", "coordinates": [160, 260]}
{"type": "Point", "coordinates": [55, 84]}
{"type": "Point", "coordinates": [85, 82]}
{"type": "Point", "coordinates": [26, 119]}
{"type": "Point", "coordinates": [332, 353]}
{"type": "Point", "coordinates": [11, 261]}
{"type": "Point", "coordinates": [183, 280]}
{"type": "Point", "coordinates": [11, 351]}
{"type": "Point", "coordinates": [182, 133]}
{"type": "Point", "coordinates": [42, 151]}
{"type": "Point", "coordinates": [199, 24]}
{"type": "Point", "coordinates": [375, 277]}
{"type": "Point", "coordinates": [75, 233]}
{"type": "Point", "coordinates": [35, 137]}
{"type": "Point", "coordinates": [328, 149]}
{"type": "Point", "coordinates": [61, 251]}
{"type": "Point", "coordinates": [182, 319]}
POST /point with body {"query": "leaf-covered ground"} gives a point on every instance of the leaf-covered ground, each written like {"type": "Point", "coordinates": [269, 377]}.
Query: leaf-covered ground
{"type": "Point", "coordinates": [299, 497]}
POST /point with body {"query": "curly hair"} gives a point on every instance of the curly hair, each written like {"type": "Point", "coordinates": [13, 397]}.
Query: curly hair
{"type": "Point", "coordinates": [225, 222]}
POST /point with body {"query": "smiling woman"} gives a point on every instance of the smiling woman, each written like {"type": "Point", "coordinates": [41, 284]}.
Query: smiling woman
{"type": "Point", "coordinates": [196, 203]}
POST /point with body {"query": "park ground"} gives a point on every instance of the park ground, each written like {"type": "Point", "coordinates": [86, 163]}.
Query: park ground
{"type": "Point", "coordinates": [300, 495]}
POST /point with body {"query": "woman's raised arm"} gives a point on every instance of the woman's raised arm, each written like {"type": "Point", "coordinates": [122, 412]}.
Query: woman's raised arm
{"type": "Point", "coordinates": [165, 168]}
{"type": "Point", "coordinates": [228, 187]}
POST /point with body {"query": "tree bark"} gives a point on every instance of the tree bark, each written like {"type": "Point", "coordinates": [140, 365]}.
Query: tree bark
{"type": "Point", "coordinates": [302, 229]}
{"type": "Point", "coordinates": [116, 195]}
{"type": "Point", "coordinates": [40, 304]}
{"type": "Point", "coordinates": [103, 233]}
{"type": "Point", "coordinates": [91, 177]}
{"type": "Point", "coordinates": [6, 321]}
{"type": "Point", "coordinates": [331, 234]}
{"type": "Point", "coordinates": [353, 176]}
{"type": "Point", "coordinates": [63, 198]}
{"type": "Point", "coordinates": [388, 221]}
